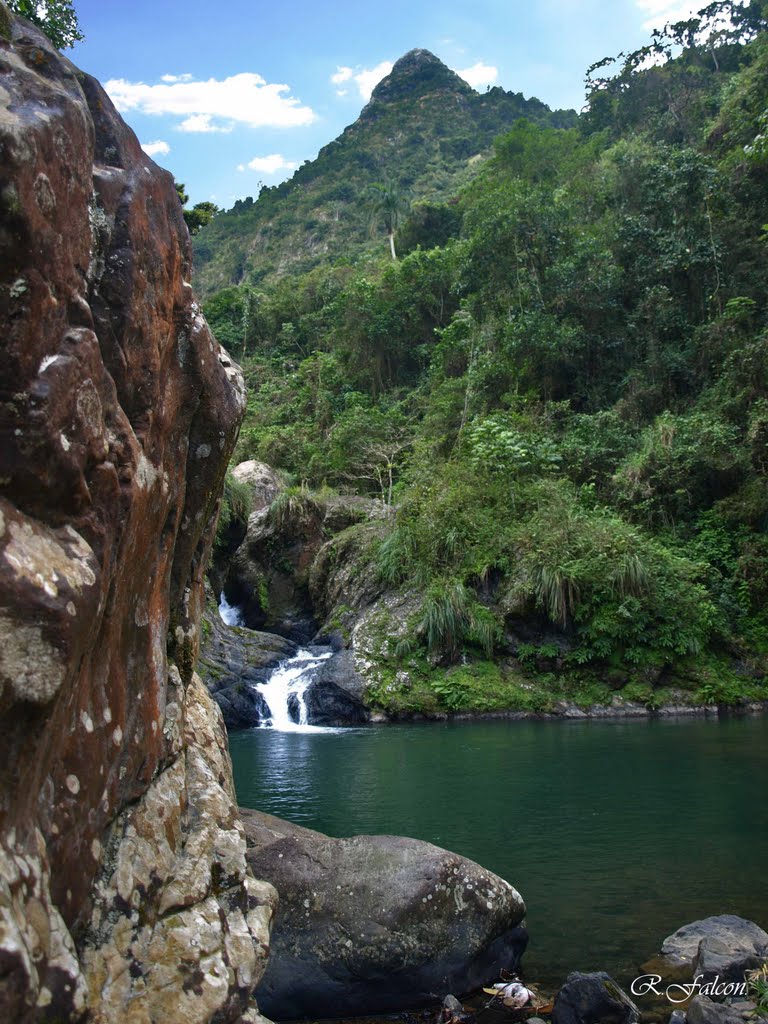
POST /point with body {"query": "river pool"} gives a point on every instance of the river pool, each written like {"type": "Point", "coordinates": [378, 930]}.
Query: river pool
{"type": "Point", "coordinates": [615, 833]}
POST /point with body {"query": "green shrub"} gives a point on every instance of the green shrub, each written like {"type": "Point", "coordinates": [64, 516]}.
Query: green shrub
{"type": "Point", "coordinates": [294, 507]}
{"type": "Point", "coordinates": [236, 505]}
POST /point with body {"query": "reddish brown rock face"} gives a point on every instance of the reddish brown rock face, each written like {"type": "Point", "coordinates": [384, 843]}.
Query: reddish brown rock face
{"type": "Point", "coordinates": [118, 413]}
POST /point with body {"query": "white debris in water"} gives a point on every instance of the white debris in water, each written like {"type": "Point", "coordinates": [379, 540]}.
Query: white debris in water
{"type": "Point", "coordinates": [230, 614]}
{"type": "Point", "coordinates": [291, 677]}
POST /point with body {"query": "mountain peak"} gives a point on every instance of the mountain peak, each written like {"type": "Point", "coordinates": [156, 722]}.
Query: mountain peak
{"type": "Point", "coordinates": [416, 73]}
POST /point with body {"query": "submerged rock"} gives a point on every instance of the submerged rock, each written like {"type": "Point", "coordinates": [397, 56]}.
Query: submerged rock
{"type": "Point", "coordinates": [593, 999]}
{"type": "Point", "coordinates": [376, 924]}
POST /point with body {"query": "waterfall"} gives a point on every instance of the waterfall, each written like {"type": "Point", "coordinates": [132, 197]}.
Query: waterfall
{"type": "Point", "coordinates": [230, 613]}
{"type": "Point", "coordinates": [289, 680]}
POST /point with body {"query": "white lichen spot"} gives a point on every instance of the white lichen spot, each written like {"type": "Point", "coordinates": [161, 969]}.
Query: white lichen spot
{"type": "Point", "coordinates": [146, 474]}
{"type": "Point", "coordinates": [202, 451]}
{"type": "Point", "coordinates": [46, 362]}
{"type": "Point", "coordinates": [45, 998]}
{"type": "Point", "coordinates": [117, 736]}
{"type": "Point", "coordinates": [141, 614]}
{"type": "Point", "coordinates": [96, 850]}
{"type": "Point", "coordinates": [2, 524]}
{"type": "Point", "coordinates": [87, 721]}
{"type": "Point", "coordinates": [71, 610]}
{"type": "Point", "coordinates": [89, 409]}
{"type": "Point", "coordinates": [73, 784]}
{"type": "Point", "coordinates": [107, 716]}
{"type": "Point", "coordinates": [154, 727]}
{"type": "Point", "coordinates": [306, 903]}
{"type": "Point", "coordinates": [32, 667]}
{"type": "Point", "coordinates": [64, 441]}
{"type": "Point", "coordinates": [37, 555]}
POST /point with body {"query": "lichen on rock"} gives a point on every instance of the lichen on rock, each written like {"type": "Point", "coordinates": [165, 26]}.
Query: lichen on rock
{"type": "Point", "coordinates": [124, 890]}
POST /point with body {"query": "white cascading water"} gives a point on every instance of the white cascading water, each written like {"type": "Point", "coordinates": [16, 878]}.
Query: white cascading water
{"type": "Point", "coordinates": [291, 677]}
{"type": "Point", "coordinates": [230, 613]}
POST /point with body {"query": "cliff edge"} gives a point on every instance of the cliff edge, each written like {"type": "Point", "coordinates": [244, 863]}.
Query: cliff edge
{"type": "Point", "coordinates": [124, 889]}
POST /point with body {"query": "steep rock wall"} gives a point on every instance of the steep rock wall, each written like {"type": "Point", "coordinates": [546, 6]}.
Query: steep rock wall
{"type": "Point", "coordinates": [124, 892]}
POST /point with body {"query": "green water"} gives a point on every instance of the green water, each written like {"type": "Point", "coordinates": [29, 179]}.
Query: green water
{"type": "Point", "coordinates": [615, 833]}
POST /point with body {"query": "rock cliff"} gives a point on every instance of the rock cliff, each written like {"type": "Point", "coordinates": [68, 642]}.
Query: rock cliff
{"type": "Point", "coordinates": [124, 890]}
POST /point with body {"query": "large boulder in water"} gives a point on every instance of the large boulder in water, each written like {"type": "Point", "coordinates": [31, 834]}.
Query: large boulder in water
{"type": "Point", "coordinates": [376, 924]}
{"type": "Point", "coordinates": [336, 694]}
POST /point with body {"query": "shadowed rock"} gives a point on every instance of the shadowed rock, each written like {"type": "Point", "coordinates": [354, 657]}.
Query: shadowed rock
{"type": "Point", "coordinates": [593, 999]}
{"type": "Point", "coordinates": [376, 924]}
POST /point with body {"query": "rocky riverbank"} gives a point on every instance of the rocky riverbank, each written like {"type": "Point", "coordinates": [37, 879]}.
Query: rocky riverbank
{"type": "Point", "coordinates": [308, 569]}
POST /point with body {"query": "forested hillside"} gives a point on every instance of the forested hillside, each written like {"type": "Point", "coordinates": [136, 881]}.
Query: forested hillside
{"type": "Point", "coordinates": [561, 386]}
{"type": "Point", "coordinates": [424, 133]}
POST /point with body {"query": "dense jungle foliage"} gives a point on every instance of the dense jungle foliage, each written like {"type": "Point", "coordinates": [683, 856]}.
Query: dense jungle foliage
{"type": "Point", "coordinates": [562, 384]}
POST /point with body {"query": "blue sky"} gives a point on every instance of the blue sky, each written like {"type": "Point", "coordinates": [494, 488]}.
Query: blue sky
{"type": "Point", "coordinates": [230, 95]}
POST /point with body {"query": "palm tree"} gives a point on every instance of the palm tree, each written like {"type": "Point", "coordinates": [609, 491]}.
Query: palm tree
{"type": "Point", "coordinates": [388, 206]}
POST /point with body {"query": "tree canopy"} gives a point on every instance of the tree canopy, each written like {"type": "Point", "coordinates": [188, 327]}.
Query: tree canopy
{"type": "Point", "coordinates": [57, 18]}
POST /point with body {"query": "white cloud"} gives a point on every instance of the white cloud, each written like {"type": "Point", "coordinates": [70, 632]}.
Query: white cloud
{"type": "Point", "coordinates": [158, 148]}
{"type": "Point", "coordinates": [479, 74]}
{"type": "Point", "coordinates": [342, 75]}
{"type": "Point", "coordinates": [366, 79]}
{"type": "Point", "coordinates": [201, 123]}
{"type": "Point", "coordinates": [269, 164]}
{"type": "Point", "coordinates": [176, 78]}
{"type": "Point", "coordinates": [369, 78]}
{"type": "Point", "coordinates": [245, 98]}
{"type": "Point", "coordinates": [660, 12]}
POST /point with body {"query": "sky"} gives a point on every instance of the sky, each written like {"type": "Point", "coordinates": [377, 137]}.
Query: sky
{"type": "Point", "coordinates": [231, 95]}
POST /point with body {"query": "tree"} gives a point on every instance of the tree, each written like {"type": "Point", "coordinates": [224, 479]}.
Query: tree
{"type": "Point", "coordinates": [57, 19]}
{"type": "Point", "coordinates": [200, 215]}
{"type": "Point", "coordinates": [388, 206]}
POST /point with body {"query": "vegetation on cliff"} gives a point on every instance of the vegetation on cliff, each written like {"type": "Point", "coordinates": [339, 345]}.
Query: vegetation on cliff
{"type": "Point", "coordinates": [424, 132]}
{"type": "Point", "coordinates": [562, 384]}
